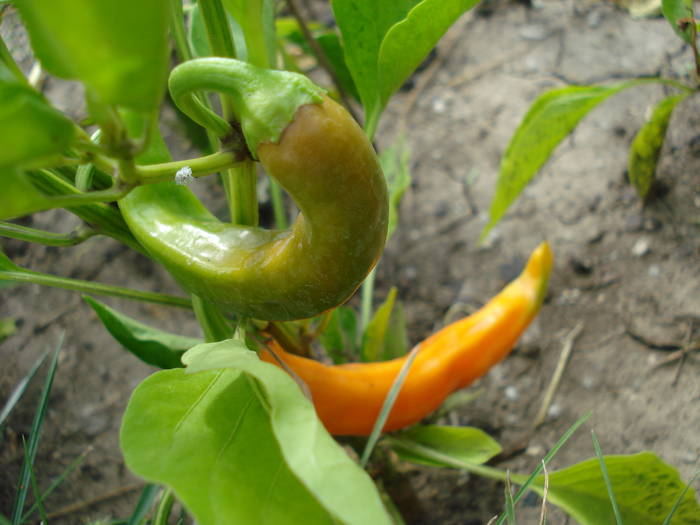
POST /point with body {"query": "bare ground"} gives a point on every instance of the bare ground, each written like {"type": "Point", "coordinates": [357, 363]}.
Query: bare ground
{"type": "Point", "coordinates": [628, 274]}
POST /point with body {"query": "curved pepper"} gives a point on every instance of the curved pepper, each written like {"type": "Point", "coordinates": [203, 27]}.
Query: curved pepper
{"type": "Point", "coordinates": [322, 159]}
{"type": "Point", "coordinates": [349, 397]}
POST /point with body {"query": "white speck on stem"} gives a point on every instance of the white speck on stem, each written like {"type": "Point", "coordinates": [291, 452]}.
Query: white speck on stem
{"type": "Point", "coordinates": [183, 177]}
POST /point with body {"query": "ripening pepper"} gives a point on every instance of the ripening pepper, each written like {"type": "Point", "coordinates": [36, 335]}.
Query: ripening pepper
{"type": "Point", "coordinates": [317, 153]}
{"type": "Point", "coordinates": [349, 397]}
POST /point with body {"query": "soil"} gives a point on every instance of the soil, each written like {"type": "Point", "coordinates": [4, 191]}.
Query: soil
{"type": "Point", "coordinates": [627, 274]}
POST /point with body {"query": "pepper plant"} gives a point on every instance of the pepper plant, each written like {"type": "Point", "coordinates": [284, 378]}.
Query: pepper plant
{"type": "Point", "coordinates": [238, 425]}
{"type": "Point", "coordinates": [556, 113]}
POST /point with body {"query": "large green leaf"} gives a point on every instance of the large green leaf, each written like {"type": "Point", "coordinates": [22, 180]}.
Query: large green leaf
{"type": "Point", "coordinates": [153, 346]}
{"type": "Point", "coordinates": [467, 444]}
{"type": "Point", "coordinates": [677, 10]}
{"type": "Point", "coordinates": [118, 48]}
{"type": "Point", "coordinates": [385, 41]}
{"type": "Point", "coordinates": [239, 443]}
{"type": "Point", "coordinates": [256, 19]}
{"type": "Point", "coordinates": [549, 120]}
{"type": "Point", "coordinates": [645, 489]}
{"type": "Point", "coordinates": [647, 144]}
{"type": "Point", "coordinates": [19, 196]}
{"type": "Point", "coordinates": [29, 127]}
{"type": "Point", "coordinates": [418, 33]}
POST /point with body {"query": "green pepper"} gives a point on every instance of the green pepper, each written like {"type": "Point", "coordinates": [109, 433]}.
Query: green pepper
{"type": "Point", "coordinates": [317, 153]}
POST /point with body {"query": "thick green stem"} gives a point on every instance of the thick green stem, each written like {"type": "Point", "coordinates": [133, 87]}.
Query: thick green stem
{"type": "Point", "coordinates": [199, 167]}
{"type": "Point", "coordinates": [77, 285]}
{"type": "Point", "coordinates": [177, 30]}
{"type": "Point", "coordinates": [24, 233]}
{"type": "Point", "coordinates": [244, 202]}
{"type": "Point", "coordinates": [278, 207]}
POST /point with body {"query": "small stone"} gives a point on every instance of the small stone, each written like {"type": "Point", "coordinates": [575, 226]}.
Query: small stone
{"type": "Point", "coordinates": [439, 105]}
{"type": "Point", "coordinates": [554, 411]}
{"type": "Point", "coordinates": [641, 247]}
{"type": "Point", "coordinates": [511, 393]}
{"type": "Point", "coordinates": [654, 270]}
{"type": "Point", "coordinates": [535, 451]}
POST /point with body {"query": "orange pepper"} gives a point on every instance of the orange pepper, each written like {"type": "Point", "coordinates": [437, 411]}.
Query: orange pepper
{"type": "Point", "coordinates": [349, 397]}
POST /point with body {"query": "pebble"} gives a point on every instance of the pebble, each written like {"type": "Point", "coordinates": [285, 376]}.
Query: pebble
{"type": "Point", "coordinates": [554, 410]}
{"type": "Point", "coordinates": [439, 105]}
{"type": "Point", "coordinates": [511, 393]}
{"type": "Point", "coordinates": [535, 451]}
{"type": "Point", "coordinates": [641, 247]}
{"type": "Point", "coordinates": [534, 32]}
{"type": "Point", "coordinates": [654, 270]}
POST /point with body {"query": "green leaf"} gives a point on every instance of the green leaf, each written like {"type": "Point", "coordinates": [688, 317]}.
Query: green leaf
{"type": "Point", "coordinates": [467, 444]}
{"type": "Point", "coordinates": [396, 337]}
{"type": "Point", "coordinates": [549, 120]}
{"type": "Point", "coordinates": [385, 41]}
{"type": "Point", "coordinates": [339, 338]}
{"type": "Point", "coordinates": [647, 144]}
{"type": "Point", "coordinates": [197, 35]}
{"type": "Point", "coordinates": [408, 42]}
{"type": "Point", "coordinates": [373, 338]}
{"type": "Point", "coordinates": [242, 444]}
{"type": "Point", "coordinates": [29, 127]}
{"type": "Point", "coordinates": [118, 48]}
{"type": "Point", "coordinates": [395, 161]}
{"type": "Point", "coordinates": [677, 10]}
{"type": "Point", "coordinates": [8, 326]}
{"type": "Point", "coordinates": [152, 346]}
{"type": "Point", "coordinates": [256, 19]}
{"type": "Point", "coordinates": [19, 196]}
{"type": "Point", "coordinates": [288, 29]}
{"type": "Point", "coordinates": [332, 47]}
{"type": "Point", "coordinates": [645, 490]}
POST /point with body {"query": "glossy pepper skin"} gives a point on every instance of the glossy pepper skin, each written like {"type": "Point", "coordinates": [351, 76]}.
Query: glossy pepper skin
{"type": "Point", "coordinates": [349, 397]}
{"type": "Point", "coordinates": [326, 164]}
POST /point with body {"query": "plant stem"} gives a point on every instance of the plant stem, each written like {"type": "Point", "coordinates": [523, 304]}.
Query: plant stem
{"type": "Point", "coordinates": [24, 233]}
{"type": "Point", "coordinates": [78, 285]}
{"type": "Point", "coordinates": [278, 204]}
{"type": "Point", "coordinates": [367, 294]}
{"type": "Point", "coordinates": [244, 201]}
{"type": "Point", "coordinates": [164, 507]}
{"type": "Point", "coordinates": [200, 167]}
{"type": "Point", "coordinates": [177, 29]}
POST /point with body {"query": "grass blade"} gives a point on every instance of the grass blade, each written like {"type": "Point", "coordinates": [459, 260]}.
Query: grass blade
{"type": "Point", "coordinates": [677, 503]}
{"type": "Point", "coordinates": [606, 478]}
{"type": "Point", "coordinates": [35, 488]}
{"type": "Point", "coordinates": [34, 436]}
{"type": "Point", "coordinates": [386, 408]}
{"type": "Point", "coordinates": [69, 469]}
{"type": "Point", "coordinates": [543, 510]}
{"type": "Point", "coordinates": [146, 500]}
{"type": "Point", "coordinates": [510, 506]}
{"type": "Point", "coordinates": [19, 390]}
{"type": "Point", "coordinates": [560, 443]}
